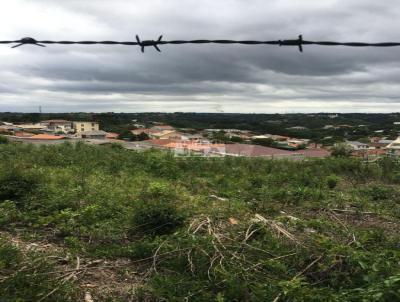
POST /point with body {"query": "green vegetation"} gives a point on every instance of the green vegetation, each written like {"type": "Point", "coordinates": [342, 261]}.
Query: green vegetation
{"type": "Point", "coordinates": [119, 225]}
{"type": "Point", "coordinates": [3, 140]}
{"type": "Point", "coordinates": [341, 150]}
{"type": "Point", "coordinates": [129, 136]}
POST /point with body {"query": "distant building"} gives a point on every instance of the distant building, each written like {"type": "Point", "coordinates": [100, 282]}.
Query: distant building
{"type": "Point", "coordinates": [385, 141]}
{"type": "Point", "coordinates": [261, 137]}
{"type": "Point", "coordinates": [225, 130]}
{"type": "Point", "coordinates": [85, 126]}
{"type": "Point", "coordinates": [394, 148]}
{"type": "Point", "coordinates": [32, 127]}
{"type": "Point", "coordinates": [46, 137]}
{"type": "Point", "coordinates": [381, 144]}
{"type": "Point", "coordinates": [354, 145]}
{"type": "Point", "coordinates": [254, 151]}
{"type": "Point", "coordinates": [279, 138]}
{"type": "Point", "coordinates": [58, 125]}
{"type": "Point", "coordinates": [162, 127]}
{"type": "Point", "coordinates": [313, 152]}
{"type": "Point", "coordinates": [23, 134]}
{"type": "Point", "coordinates": [167, 134]}
{"type": "Point", "coordinates": [297, 128]}
{"type": "Point", "coordinates": [111, 135]}
{"type": "Point", "coordinates": [326, 127]}
{"type": "Point", "coordinates": [96, 134]}
{"type": "Point", "coordinates": [9, 128]}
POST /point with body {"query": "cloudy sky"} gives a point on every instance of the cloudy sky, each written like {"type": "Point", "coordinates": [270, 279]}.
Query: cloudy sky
{"type": "Point", "coordinates": [202, 78]}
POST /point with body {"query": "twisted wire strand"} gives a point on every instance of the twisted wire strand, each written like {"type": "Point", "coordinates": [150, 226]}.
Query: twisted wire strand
{"type": "Point", "coordinates": [155, 43]}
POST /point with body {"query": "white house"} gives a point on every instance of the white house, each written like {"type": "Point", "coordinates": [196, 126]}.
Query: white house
{"type": "Point", "coordinates": [394, 147]}
{"type": "Point", "coordinates": [358, 145]}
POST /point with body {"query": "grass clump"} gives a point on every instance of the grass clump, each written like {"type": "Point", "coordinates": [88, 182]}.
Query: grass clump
{"type": "Point", "coordinates": [157, 212]}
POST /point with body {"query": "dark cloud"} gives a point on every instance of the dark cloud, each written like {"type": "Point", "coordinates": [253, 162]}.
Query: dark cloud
{"type": "Point", "coordinates": [200, 77]}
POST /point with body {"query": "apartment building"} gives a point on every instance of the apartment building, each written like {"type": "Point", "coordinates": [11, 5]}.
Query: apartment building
{"type": "Point", "coordinates": [85, 126]}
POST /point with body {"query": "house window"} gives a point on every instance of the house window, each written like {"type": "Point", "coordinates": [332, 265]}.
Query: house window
{"type": "Point", "coordinates": [92, 124]}
{"type": "Point", "coordinates": [82, 129]}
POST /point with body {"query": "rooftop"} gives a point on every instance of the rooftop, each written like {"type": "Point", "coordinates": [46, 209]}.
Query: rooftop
{"type": "Point", "coordinates": [253, 150]}
{"type": "Point", "coordinates": [46, 137]}
{"type": "Point", "coordinates": [56, 121]}
{"type": "Point", "coordinates": [96, 132]}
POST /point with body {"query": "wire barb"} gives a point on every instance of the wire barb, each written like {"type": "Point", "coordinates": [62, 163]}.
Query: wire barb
{"type": "Point", "coordinates": [299, 42]}
{"type": "Point", "coordinates": [27, 40]}
{"type": "Point", "coordinates": [146, 43]}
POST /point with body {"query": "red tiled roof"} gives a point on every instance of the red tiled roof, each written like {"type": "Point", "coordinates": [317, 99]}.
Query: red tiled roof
{"type": "Point", "coordinates": [112, 135]}
{"type": "Point", "coordinates": [22, 134]}
{"type": "Point", "coordinates": [193, 146]}
{"type": "Point", "coordinates": [362, 153]}
{"type": "Point", "coordinates": [163, 127]}
{"type": "Point", "coordinates": [254, 150]}
{"type": "Point", "coordinates": [378, 145]}
{"type": "Point", "coordinates": [46, 137]}
{"type": "Point", "coordinates": [144, 130]}
{"type": "Point", "coordinates": [313, 152]}
{"type": "Point", "coordinates": [161, 142]}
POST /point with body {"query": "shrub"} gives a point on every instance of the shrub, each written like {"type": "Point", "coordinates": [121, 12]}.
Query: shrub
{"type": "Point", "coordinates": [377, 193]}
{"type": "Point", "coordinates": [8, 213]}
{"type": "Point", "coordinates": [159, 191]}
{"type": "Point", "coordinates": [3, 140]}
{"type": "Point", "coordinates": [341, 150]}
{"type": "Point", "coordinates": [332, 181]}
{"type": "Point", "coordinates": [16, 187]}
{"type": "Point", "coordinates": [9, 255]}
{"type": "Point", "coordinates": [156, 218]}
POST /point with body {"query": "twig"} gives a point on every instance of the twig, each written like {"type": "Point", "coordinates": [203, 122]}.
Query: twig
{"type": "Point", "coordinates": [278, 228]}
{"type": "Point", "coordinates": [298, 275]}
{"type": "Point", "coordinates": [78, 263]}
{"type": "Point", "coordinates": [353, 212]}
{"type": "Point", "coordinates": [155, 257]}
{"type": "Point", "coordinates": [307, 267]}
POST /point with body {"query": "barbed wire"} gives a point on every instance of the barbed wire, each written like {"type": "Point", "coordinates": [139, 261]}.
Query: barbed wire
{"type": "Point", "coordinates": [156, 43]}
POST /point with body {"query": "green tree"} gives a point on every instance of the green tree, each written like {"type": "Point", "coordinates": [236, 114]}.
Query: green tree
{"type": "Point", "coordinates": [341, 150]}
{"type": "Point", "coordinates": [127, 135]}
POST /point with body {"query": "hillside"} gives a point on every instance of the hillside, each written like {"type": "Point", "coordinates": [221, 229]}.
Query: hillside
{"type": "Point", "coordinates": [100, 223]}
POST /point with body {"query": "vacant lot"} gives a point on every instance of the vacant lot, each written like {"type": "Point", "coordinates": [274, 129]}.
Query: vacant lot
{"type": "Point", "coordinates": [87, 223]}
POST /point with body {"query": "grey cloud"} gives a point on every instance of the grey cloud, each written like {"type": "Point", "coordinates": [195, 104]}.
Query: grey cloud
{"type": "Point", "coordinates": [74, 78]}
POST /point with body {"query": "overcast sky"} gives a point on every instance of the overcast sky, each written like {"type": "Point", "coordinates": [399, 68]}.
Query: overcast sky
{"type": "Point", "coordinates": [202, 78]}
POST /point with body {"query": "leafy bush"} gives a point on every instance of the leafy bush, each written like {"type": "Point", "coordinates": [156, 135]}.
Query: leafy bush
{"type": "Point", "coordinates": [9, 213]}
{"type": "Point", "coordinates": [341, 150]}
{"type": "Point", "coordinates": [156, 218]}
{"type": "Point", "coordinates": [332, 181]}
{"type": "Point", "coordinates": [3, 140]}
{"type": "Point", "coordinates": [378, 192]}
{"type": "Point", "coordinates": [17, 187]}
{"type": "Point", "coordinates": [9, 255]}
